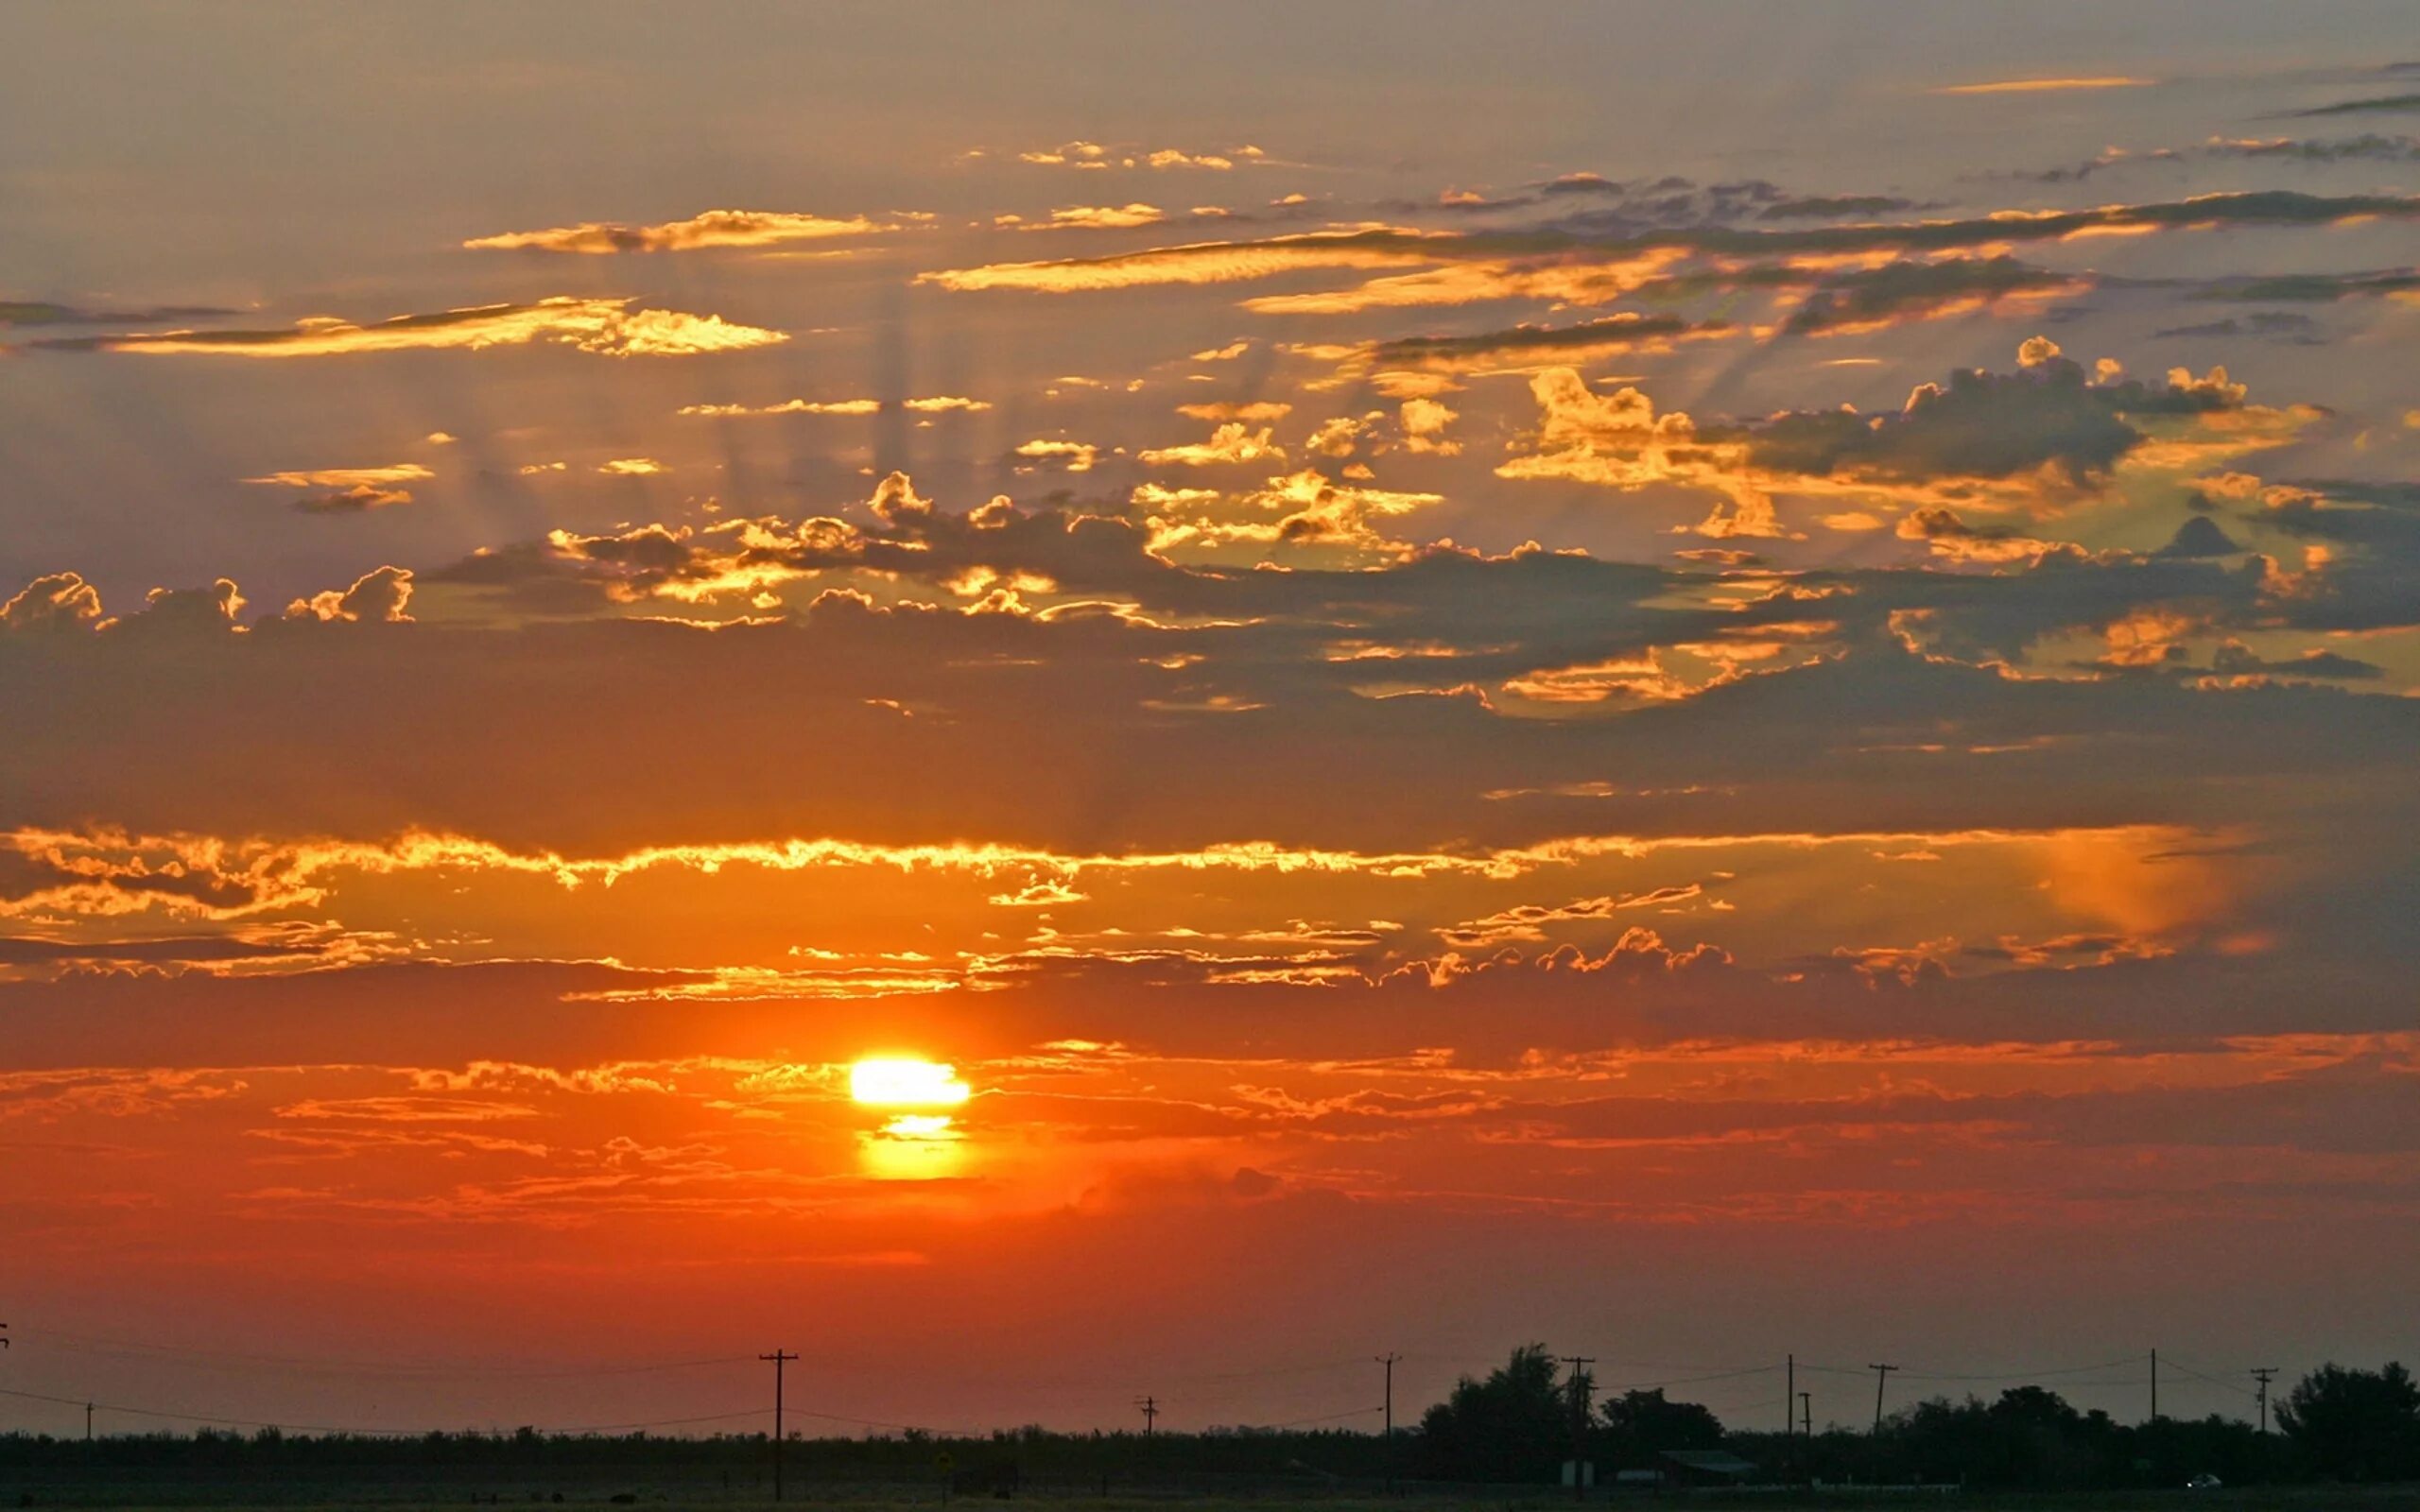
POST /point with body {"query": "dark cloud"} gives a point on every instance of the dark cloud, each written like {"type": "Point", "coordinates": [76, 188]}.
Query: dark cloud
{"type": "Point", "coordinates": [2266, 325]}
{"type": "Point", "coordinates": [2400, 104]}
{"type": "Point", "coordinates": [2198, 537]}
{"type": "Point", "coordinates": [1870, 297]}
{"type": "Point", "coordinates": [1608, 334]}
{"type": "Point", "coordinates": [36, 312]}
{"type": "Point", "coordinates": [1983, 425]}
{"type": "Point", "coordinates": [1826, 207]}
{"type": "Point", "coordinates": [2369, 147]}
{"type": "Point", "coordinates": [2315, 287]}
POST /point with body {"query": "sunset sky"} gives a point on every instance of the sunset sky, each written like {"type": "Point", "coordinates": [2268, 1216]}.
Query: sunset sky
{"type": "Point", "coordinates": [1686, 681]}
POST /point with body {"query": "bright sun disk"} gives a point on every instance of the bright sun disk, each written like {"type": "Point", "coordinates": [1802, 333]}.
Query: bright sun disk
{"type": "Point", "coordinates": [888, 1081]}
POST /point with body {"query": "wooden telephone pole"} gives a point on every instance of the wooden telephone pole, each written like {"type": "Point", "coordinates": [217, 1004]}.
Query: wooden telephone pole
{"type": "Point", "coordinates": [779, 1358]}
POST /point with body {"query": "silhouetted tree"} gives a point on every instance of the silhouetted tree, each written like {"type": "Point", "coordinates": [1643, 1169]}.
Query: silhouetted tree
{"type": "Point", "coordinates": [1515, 1425]}
{"type": "Point", "coordinates": [2355, 1425]}
{"type": "Point", "coordinates": [1640, 1425]}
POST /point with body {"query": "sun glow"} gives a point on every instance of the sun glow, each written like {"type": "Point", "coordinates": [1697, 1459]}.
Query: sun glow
{"type": "Point", "coordinates": [905, 1082]}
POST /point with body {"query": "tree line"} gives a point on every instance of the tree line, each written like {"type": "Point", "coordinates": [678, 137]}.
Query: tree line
{"type": "Point", "coordinates": [1519, 1423]}
{"type": "Point", "coordinates": [1515, 1425]}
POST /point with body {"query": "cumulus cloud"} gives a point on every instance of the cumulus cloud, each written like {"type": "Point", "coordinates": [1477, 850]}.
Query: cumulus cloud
{"type": "Point", "coordinates": [1234, 442]}
{"type": "Point", "coordinates": [2047, 428]}
{"type": "Point", "coordinates": [61, 601]}
{"type": "Point", "coordinates": [379, 597]}
{"type": "Point", "coordinates": [1070, 457]}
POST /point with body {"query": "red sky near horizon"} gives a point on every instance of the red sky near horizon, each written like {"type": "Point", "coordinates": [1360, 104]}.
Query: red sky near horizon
{"type": "Point", "coordinates": [1095, 702]}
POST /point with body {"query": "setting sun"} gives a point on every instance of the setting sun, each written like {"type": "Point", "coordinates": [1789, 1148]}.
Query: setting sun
{"type": "Point", "coordinates": [899, 1081]}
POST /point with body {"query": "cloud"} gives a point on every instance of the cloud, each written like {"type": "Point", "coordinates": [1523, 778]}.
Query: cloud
{"type": "Point", "coordinates": [1870, 300]}
{"type": "Point", "coordinates": [368, 480]}
{"type": "Point", "coordinates": [1492, 351]}
{"type": "Point", "coordinates": [934, 405]}
{"type": "Point", "coordinates": [2368, 147]}
{"type": "Point", "coordinates": [789, 406]}
{"type": "Point", "coordinates": [2046, 429]}
{"type": "Point", "coordinates": [39, 312]}
{"type": "Point", "coordinates": [1568, 263]}
{"type": "Point", "coordinates": [1092, 155]}
{"type": "Point", "coordinates": [2037, 86]}
{"type": "Point", "coordinates": [1827, 207]}
{"type": "Point", "coordinates": [630, 467]}
{"type": "Point", "coordinates": [608, 327]}
{"type": "Point", "coordinates": [1423, 427]}
{"type": "Point", "coordinates": [1246, 411]}
{"type": "Point", "coordinates": [378, 598]}
{"type": "Point", "coordinates": [1071, 456]}
{"type": "Point", "coordinates": [711, 228]}
{"type": "Point", "coordinates": [2317, 287]}
{"type": "Point", "coordinates": [1231, 443]}
{"type": "Point", "coordinates": [2397, 104]}
{"type": "Point", "coordinates": [1196, 262]}
{"type": "Point", "coordinates": [1089, 217]}
{"type": "Point", "coordinates": [61, 601]}
{"type": "Point", "coordinates": [357, 499]}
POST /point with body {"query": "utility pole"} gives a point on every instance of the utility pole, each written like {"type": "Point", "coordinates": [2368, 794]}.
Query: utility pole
{"type": "Point", "coordinates": [1807, 1414]}
{"type": "Point", "coordinates": [1881, 1374]}
{"type": "Point", "coordinates": [779, 1358]}
{"type": "Point", "coordinates": [2154, 1385]}
{"type": "Point", "coordinates": [1579, 1389]}
{"type": "Point", "coordinates": [1789, 1402]}
{"type": "Point", "coordinates": [88, 1422]}
{"type": "Point", "coordinates": [2264, 1374]}
{"type": "Point", "coordinates": [1149, 1406]}
{"type": "Point", "coordinates": [1388, 1359]}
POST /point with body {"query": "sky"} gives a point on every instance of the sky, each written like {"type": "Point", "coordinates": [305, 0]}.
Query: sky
{"type": "Point", "coordinates": [1690, 681]}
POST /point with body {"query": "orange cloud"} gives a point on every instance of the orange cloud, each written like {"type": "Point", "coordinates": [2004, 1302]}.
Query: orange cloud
{"type": "Point", "coordinates": [1195, 263]}
{"type": "Point", "coordinates": [1232, 442]}
{"type": "Point", "coordinates": [1088, 218]}
{"type": "Point", "coordinates": [2037, 86]}
{"type": "Point", "coordinates": [714, 228]}
{"type": "Point", "coordinates": [608, 327]}
{"type": "Point", "coordinates": [345, 477]}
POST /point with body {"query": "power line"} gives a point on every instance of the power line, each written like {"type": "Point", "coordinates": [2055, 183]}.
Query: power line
{"type": "Point", "coordinates": [2216, 1381]}
{"type": "Point", "coordinates": [1334, 1417]}
{"type": "Point", "coordinates": [1948, 1375]}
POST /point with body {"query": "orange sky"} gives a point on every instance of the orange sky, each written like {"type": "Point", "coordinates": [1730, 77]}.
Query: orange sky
{"type": "Point", "coordinates": [1690, 730]}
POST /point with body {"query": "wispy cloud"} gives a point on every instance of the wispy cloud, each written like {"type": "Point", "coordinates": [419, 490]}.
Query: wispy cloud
{"type": "Point", "coordinates": [2041, 86]}
{"type": "Point", "coordinates": [712, 228]}
{"type": "Point", "coordinates": [607, 327]}
{"type": "Point", "coordinates": [933, 405]}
